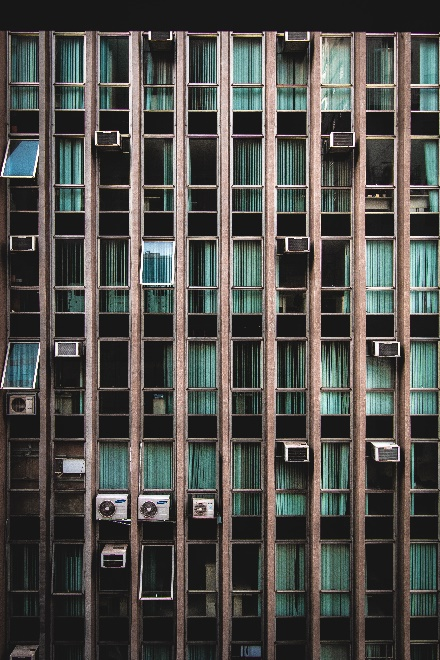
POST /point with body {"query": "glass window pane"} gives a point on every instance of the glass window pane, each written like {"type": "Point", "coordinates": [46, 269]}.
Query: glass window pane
{"type": "Point", "coordinates": [21, 365]}
{"type": "Point", "coordinates": [21, 159]}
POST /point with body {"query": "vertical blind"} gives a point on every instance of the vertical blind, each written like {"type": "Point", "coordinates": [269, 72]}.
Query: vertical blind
{"type": "Point", "coordinates": [201, 465]}
{"type": "Point", "coordinates": [335, 475]}
{"type": "Point", "coordinates": [380, 274]}
{"type": "Point", "coordinates": [290, 577]}
{"type": "Point", "coordinates": [423, 579]}
{"type": "Point", "coordinates": [336, 73]}
{"type": "Point", "coordinates": [158, 465]}
{"type": "Point", "coordinates": [246, 475]}
{"type": "Point", "coordinates": [113, 465]}
{"type": "Point", "coordinates": [423, 377]}
{"type": "Point", "coordinates": [246, 360]}
{"type": "Point", "coordinates": [69, 262]}
{"type": "Point", "coordinates": [24, 69]}
{"type": "Point", "coordinates": [291, 162]}
{"type": "Point", "coordinates": [335, 577]}
{"type": "Point", "coordinates": [68, 568]}
{"type": "Point", "coordinates": [113, 264]}
{"type": "Point", "coordinates": [291, 364]}
{"type": "Point", "coordinates": [69, 68]}
{"type": "Point", "coordinates": [290, 476]}
{"type": "Point", "coordinates": [70, 171]}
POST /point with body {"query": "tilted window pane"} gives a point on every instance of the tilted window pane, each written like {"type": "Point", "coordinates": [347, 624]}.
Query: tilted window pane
{"type": "Point", "coordinates": [21, 365]}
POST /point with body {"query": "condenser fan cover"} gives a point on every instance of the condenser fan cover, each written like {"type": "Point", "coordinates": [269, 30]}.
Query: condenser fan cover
{"type": "Point", "coordinates": [148, 509]}
{"type": "Point", "coordinates": [199, 508]}
{"type": "Point", "coordinates": [107, 508]}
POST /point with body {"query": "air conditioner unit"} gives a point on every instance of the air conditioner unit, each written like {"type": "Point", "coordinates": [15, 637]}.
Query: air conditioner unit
{"type": "Point", "coordinates": [386, 348]}
{"type": "Point", "coordinates": [342, 141]}
{"type": "Point", "coordinates": [111, 506]}
{"type": "Point", "coordinates": [153, 507]}
{"type": "Point", "coordinates": [70, 466]}
{"type": "Point", "coordinates": [22, 404]}
{"type": "Point", "coordinates": [22, 243]}
{"type": "Point", "coordinates": [114, 555]}
{"type": "Point", "coordinates": [108, 139]}
{"type": "Point", "coordinates": [67, 349]}
{"type": "Point", "coordinates": [296, 41]}
{"type": "Point", "coordinates": [296, 451]}
{"type": "Point", "coordinates": [203, 507]}
{"type": "Point", "coordinates": [160, 36]}
{"type": "Point", "coordinates": [385, 451]}
{"type": "Point", "coordinates": [28, 652]}
{"type": "Point", "coordinates": [297, 244]}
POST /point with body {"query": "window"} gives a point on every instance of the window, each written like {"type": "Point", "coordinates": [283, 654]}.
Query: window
{"type": "Point", "coordinates": [67, 569]}
{"type": "Point", "coordinates": [335, 579]}
{"type": "Point", "coordinates": [158, 466]}
{"type": "Point", "coordinates": [335, 477]}
{"type": "Point", "coordinates": [201, 466]}
{"type": "Point", "coordinates": [290, 579]}
{"type": "Point", "coordinates": [157, 572]}
{"type": "Point", "coordinates": [424, 377]}
{"type": "Point", "coordinates": [69, 72]}
{"type": "Point", "coordinates": [21, 366]}
{"type": "Point", "coordinates": [21, 159]}
{"type": "Point", "coordinates": [246, 478]}
{"type": "Point", "coordinates": [157, 263]}
{"type": "Point", "coordinates": [113, 465]}
{"type": "Point", "coordinates": [335, 376]}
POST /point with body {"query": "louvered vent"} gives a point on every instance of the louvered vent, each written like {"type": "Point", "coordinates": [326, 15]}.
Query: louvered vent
{"type": "Point", "coordinates": [386, 348]}
{"type": "Point", "coordinates": [342, 141]}
{"type": "Point", "coordinates": [384, 451]}
{"type": "Point", "coordinates": [296, 452]}
{"type": "Point", "coordinates": [67, 349]}
{"type": "Point", "coordinates": [297, 244]}
{"type": "Point", "coordinates": [108, 139]}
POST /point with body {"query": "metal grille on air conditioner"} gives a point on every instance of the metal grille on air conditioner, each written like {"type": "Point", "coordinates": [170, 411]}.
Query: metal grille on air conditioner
{"type": "Point", "coordinates": [22, 404]}
{"type": "Point", "coordinates": [294, 41]}
{"type": "Point", "coordinates": [114, 555]}
{"type": "Point", "coordinates": [67, 349]}
{"type": "Point", "coordinates": [22, 243]}
{"type": "Point", "coordinates": [296, 452]}
{"type": "Point", "coordinates": [385, 451]}
{"type": "Point", "coordinates": [111, 506]}
{"type": "Point", "coordinates": [153, 507]}
{"type": "Point", "coordinates": [386, 348]}
{"type": "Point", "coordinates": [203, 507]}
{"type": "Point", "coordinates": [342, 141]}
{"type": "Point", "coordinates": [297, 244]}
{"type": "Point", "coordinates": [108, 139]}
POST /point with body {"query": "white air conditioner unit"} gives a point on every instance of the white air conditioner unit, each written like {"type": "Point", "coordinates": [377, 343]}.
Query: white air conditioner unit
{"type": "Point", "coordinates": [22, 404]}
{"type": "Point", "coordinates": [27, 652]}
{"type": "Point", "coordinates": [108, 139]}
{"type": "Point", "coordinates": [22, 243]}
{"type": "Point", "coordinates": [297, 244]}
{"type": "Point", "coordinates": [111, 506]}
{"type": "Point", "coordinates": [296, 41]}
{"type": "Point", "coordinates": [161, 36]}
{"type": "Point", "coordinates": [296, 451]}
{"type": "Point", "coordinates": [342, 141]}
{"type": "Point", "coordinates": [385, 451]}
{"type": "Point", "coordinates": [386, 348]}
{"type": "Point", "coordinates": [70, 466]}
{"type": "Point", "coordinates": [114, 555]}
{"type": "Point", "coordinates": [203, 507]}
{"type": "Point", "coordinates": [67, 349]}
{"type": "Point", "coordinates": [153, 507]}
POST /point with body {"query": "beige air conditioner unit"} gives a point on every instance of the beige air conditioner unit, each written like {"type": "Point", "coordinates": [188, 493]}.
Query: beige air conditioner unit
{"type": "Point", "coordinates": [203, 507]}
{"type": "Point", "coordinates": [385, 348]}
{"type": "Point", "coordinates": [153, 507]}
{"type": "Point", "coordinates": [296, 451]}
{"type": "Point", "coordinates": [294, 41]}
{"type": "Point", "coordinates": [21, 404]}
{"type": "Point", "coordinates": [27, 652]}
{"type": "Point", "coordinates": [22, 243]}
{"type": "Point", "coordinates": [297, 244]}
{"type": "Point", "coordinates": [111, 506]}
{"type": "Point", "coordinates": [385, 451]}
{"type": "Point", "coordinates": [114, 555]}
{"type": "Point", "coordinates": [67, 349]}
{"type": "Point", "coordinates": [108, 139]}
{"type": "Point", "coordinates": [342, 141]}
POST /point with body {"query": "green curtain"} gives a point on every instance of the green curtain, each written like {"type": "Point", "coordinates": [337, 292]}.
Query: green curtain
{"type": "Point", "coordinates": [69, 262]}
{"type": "Point", "coordinates": [335, 652]}
{"type": "Point", "coordinates": [113, 465]}
{"type": "Point", "coordinates": [380, 376]}
{"type": "Point", "coordinates": [158, 301]}
{"type": "Point", "coordinates": [247, 69]}
{"type": "Point", "coordinates": [69, 154]}
{"type": "Point", "coordinates": [247, 162]}
{"type": "Point", "coordinates": [335, 364]}
{"type": "Point", "coordinates": [291, 162]}
{"type": "Point", "coordinates": [424, 273]}
{"type": "Point", "coordinates": [202, 270]}
{"type": "Point", "coordinates": [201, 652]}
{"type": "Point", "coordinates": [424, 376]}
{"type": "Point", "coordinates": [158, 263]}
{"type": "Point", "coordinates": [69, 68]}
{"type": "Point", "coordinates": [380, 274]}
{"type": "Point", "coordinates": [246, 475]}
{"type": "Point", "coordinates": [425, 70]}
{"type": "Point", "coordinates": [423, 579]}
{"type": "Point", "coordinates": [247, 264]}
{"type": "Point", "coordinates": [202, 364]}
{"type": "Point", "coordinates": [158, 465]}
{"type": "Point", "coordinates": [335, 475]}
{"type": "Point", "coordinates": [290, 577]}
{"type": "Point", "coordinates": [379, 651]}
{"type": "Point", "coordinates": [21, 365]}
{"type": "Point", "coordinates": [290, 200]}
{"type": "Point", "coordinates": [291, 403]}
{"type": "Point", "coordinates": [202, 301]}
{"type": "Point", "coordinates": [424, 165]}
{"type": "Point", "coordinates": [291, 364]}
{"type": "Point", "coordinates": [336, 171]}
{"type": "Point", "coordinates": [68, 568]}
{"type": "Point", "coordinates": [290, 476]}
{"type": "Point", "coordinates": [24, 69]}
{"type": "Point", "coordinates": [202, 70]}
{"type": "Point", "coordinates": [291, 81]}
{"type": "Point", "coordinates": [246, 360]}
{"type": "Point", "coordinates": [159, 76]}
{"type": "Point", "coordinates": [380, 71]}
{"type": "Point", "coordinates": [202, 402]}
{"type": "Point", "coordinates": [336, 70]}
{"type": "Point", "coordinates": [201, 465]}
{"type": "Point", "coordinates": [335, 200]}
{"type": "Point", "coordinates": [335, 577]}
{"type": "Point", "coordinates": [113, 68]}
{"type": "Point", "coordinates": [156, 652]}
{"type": "Point", "coordinates": [113, 262]}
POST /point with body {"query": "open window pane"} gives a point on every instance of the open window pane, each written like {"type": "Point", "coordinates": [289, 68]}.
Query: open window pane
{"type": "Point", "coordinates": [21, 365]}
{"type": "Point", "coordinates": [21, 159]}
{"type": "Point", "coordinates": [157, 572]}
{"type": "Point", "coordinates": [157, 263]}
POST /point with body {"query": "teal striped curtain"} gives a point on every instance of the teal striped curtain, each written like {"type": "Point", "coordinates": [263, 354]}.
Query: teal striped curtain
{"type": "Point", "coordinates": [290, 476]}
{"type": "Point", "coordinates": [247, 264]}
{"type": "Point", "coordinates": [202, 263]}
{"type": "Point", "coordinates": [158, 301]}
{"type": "Point", "coordinates": [24, 567]}
{"type": "Point", "coordinates": [156, 652]}
{"type": "Point", "coordinates": [380, 376]}
{"type": "Point", "coordinates": [202, 301]}
{"type": "Point", "coordinates": [290, 577]}
{"type": "Point", "coordinates": [158, 466]}
{"type": "Point", "coordinates": [335, 364]}
{"type": "Point", "coordinates": [335, 652]}
{"type": "Point", "coordinates": [202, 402]}
{"type": "Point", "coordinates": [24, 69]}
{"type": "Point", "coordinates": [246, 359]}
{"type": "Point", "coordinates": [336, 171]}
{"type": "Point", "coordinates": [201, 465]}
{"type": "Point", "coordinates": [113, 262]}
{"type": "Point", "coordinates": [376, 651]}
{"type": "Point", "coordinates": [427, 72]}
{"type": "Point", "coordinates": [379, 274]}
{"type": "Point", "coordinates": [21, 366]}
{"type": "Point", "coordinates": [424, 165]}
{"type": "Point", "coordinates": [291, 403]}
{"type": "Point", "coordinates": [335, 475]}
{"type": "Point", "coordinates": [246, 475]}
{"type": "Point", "coordinates": [291, 71]}
{"type": "Point", "coordinates": [247, 301]}
{"type": "Point", "coordinates": [158, 71]}
{"type": "Point", "coordinates": [113, 68]}
{"type": "Point", "coordinates": [158, 263]}
{"type": "Point", "coordinates": [247, 162]}
{"type": "Point", "coordinates": [202, 364]}
{"type": "Point", "coordinates": [68, 568]}
{"type": "Point", "coordinates": [380, 71]}
{"type": "Point", "coordinates": [291, 364]}
{"type": "Point", "coordinates": [424, 263]}
{"type": "Point", "coordinates": [69, 262]}
{"type": "Point", "coordinates": [335, 200]}
{"type": "Point", "coordinates": [69, 156]}
{"type": "Point", "coordinates": [201, 652]}
{"type": "Point", "coordinates": [290, 200]}
{"type": "Point", "coordinates": [113, 465]}
{"type": "Point", "coordinates": [423, 376]}
{"type": "Point", "coordinates": [335, 577]}
{"type": "Point", "coordinates": [423, 579]}
{"type": "Point", "coordinates": [69, 68]}
{"type": "Point", "coordinates": [202, 61]}
{"type": "Point", "coordinates": [248, 70]}
{"type": "Point", "coordinates": [336, 70]}
{"type": "Point", "coordinates": [291, 162]}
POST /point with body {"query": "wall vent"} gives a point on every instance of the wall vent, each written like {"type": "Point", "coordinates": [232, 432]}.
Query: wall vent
{"type": "Point", "coordinates": [111, 506]}
{"type": "Point", "coordinates": [114, 555]}
{"type": "Point", "coordinates": [342, 141]}
{"type": "Point", "coordinates": [385, 451]}
{"type": "Point", "coordinates": [22, 404]}
{"type": "Point", "coordinates": [297, 244]}
{"type": "Point", "coordinates": [386, 348]}
{"type": "Point", "coordinates": [296, 451]}
{"type": "Point", "coordinates": [153, 507]}
{"type": "Point", "coordinates": [22, 243]}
